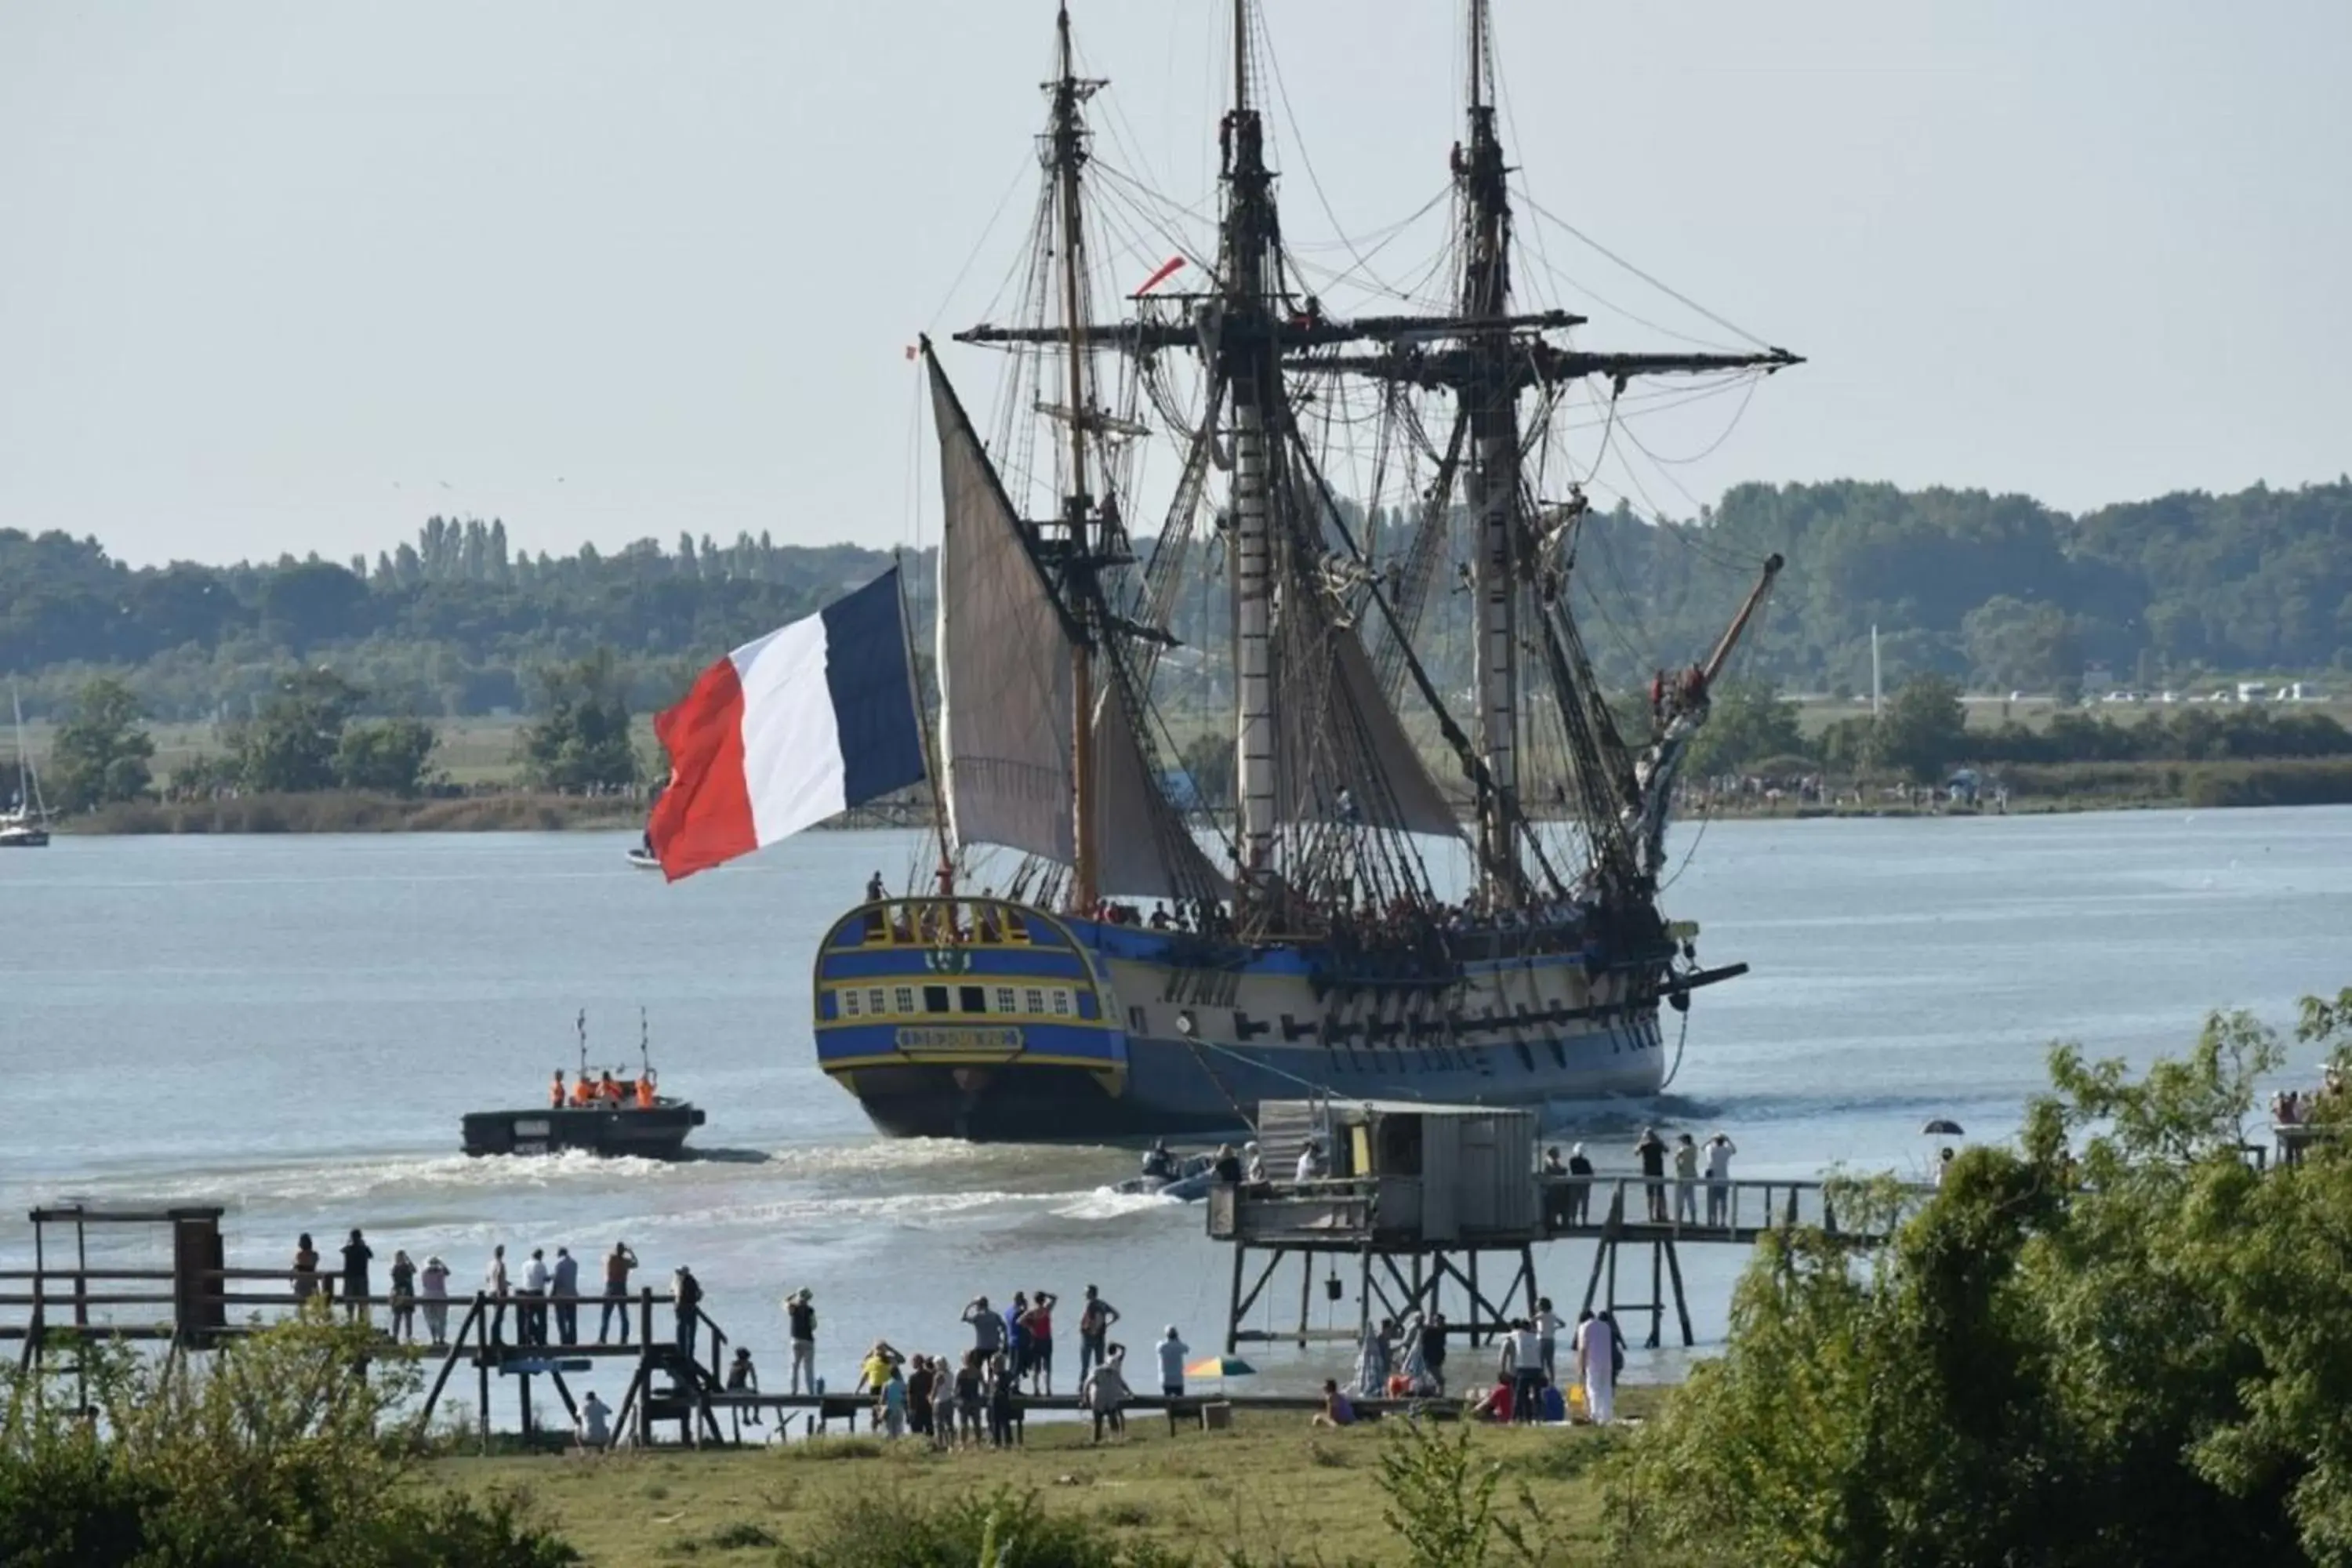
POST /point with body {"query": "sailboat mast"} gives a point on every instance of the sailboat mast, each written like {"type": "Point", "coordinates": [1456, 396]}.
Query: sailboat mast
{"type": "Point", "coordinates": [1248, 180]}
{"type": "Point", "coordinates": [1077, 505]}
{"type": "Point", "coordinates": [1494, 480]}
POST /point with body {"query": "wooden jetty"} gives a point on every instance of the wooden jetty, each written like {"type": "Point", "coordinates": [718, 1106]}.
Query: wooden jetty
{"type": "Point", "coordinates": [1418, 1195]}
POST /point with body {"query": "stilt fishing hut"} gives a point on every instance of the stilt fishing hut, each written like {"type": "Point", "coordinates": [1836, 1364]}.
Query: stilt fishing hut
{"type": "Point", "coordinates": [1410, 1196]}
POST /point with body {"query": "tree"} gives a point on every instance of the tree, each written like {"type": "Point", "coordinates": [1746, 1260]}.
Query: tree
{"type": "Point", "coordinates": [291, 745]}
{"type": "Point", "coordinates": [389, 756]}
{"type": "Point", "coordinates": [2120, 1342]}
{"type": "Point", "coordinates": [102, 752]}
{"type": "Point", "coordinates": [1923, 730]}
{"type": "Point", "coordinates": [1746, 722]}
{"type": "Point", "coordinates": [581, 740]}
{"type": "Point", "coordinates": [270, 1452]}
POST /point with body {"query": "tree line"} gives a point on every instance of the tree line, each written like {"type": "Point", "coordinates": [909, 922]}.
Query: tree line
{"type": "Point", "coordinates": [307, 736]}
{"type": "Point", "coordinates": [1997, 592]}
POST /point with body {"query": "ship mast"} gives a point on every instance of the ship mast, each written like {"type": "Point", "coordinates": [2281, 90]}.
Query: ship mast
{"type": "Point", "coordinates": [1251, 372]}
{"type": "Point", "coordinates": [1066, 146]}
{"type": "Point", "coordinates": [1494, 480]}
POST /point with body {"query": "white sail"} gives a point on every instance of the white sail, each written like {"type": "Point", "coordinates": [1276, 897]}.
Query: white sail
{"type": "Point", "coordinates": [1004, 695]}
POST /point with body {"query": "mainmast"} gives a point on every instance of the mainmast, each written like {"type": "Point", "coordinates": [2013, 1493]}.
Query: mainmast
{"type": "Point", "coordinates": [1066, 149]}
{"type": "Point", "coordinates": [1252, 372]}
{"type": "Point", "coordinates": [1491, 399]}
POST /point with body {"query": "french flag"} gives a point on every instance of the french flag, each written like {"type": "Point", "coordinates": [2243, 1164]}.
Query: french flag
{"type": "Point", "coordinates": [809, 721]}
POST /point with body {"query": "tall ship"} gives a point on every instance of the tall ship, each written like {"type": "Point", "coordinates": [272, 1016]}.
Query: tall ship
{"type": "Point", "coordinates": [1412, 888]}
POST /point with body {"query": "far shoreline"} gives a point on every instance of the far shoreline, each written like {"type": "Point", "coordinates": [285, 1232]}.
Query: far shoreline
{"type": "Point", "coordinates": [527, 812]}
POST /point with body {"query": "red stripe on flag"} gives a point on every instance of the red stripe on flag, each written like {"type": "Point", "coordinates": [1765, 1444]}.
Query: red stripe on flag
{"type": "Point", "coordinates": [703, 817]}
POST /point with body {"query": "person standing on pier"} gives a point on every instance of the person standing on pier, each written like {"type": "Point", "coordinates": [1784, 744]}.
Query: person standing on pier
{"type": "Point", "coordinates": [494, 1285]}
{"type": "Point", "coordinates": [987, 1327]}
{"type": "Point", "coordinates": [532, 1314]}
{"type": "Point", "coordinates": [1580, 1188]}
{"type": "Point", "coordinates": [1095, 1317]}
{"type": "Point", "coordinates": [800, 1316]}
{"type": "Point", "coordinates": [404, 1298]}
{"type": "Point", "coordinates": [688, 1292]}
{"type": "Point", "coordinates": [1720, 1151]}
{"type": "Point", "coordinates": [1039, 1321]}
{"type": "Point", "coordinates": [1599, 1357]}
{"type": "Point", "coordinates": [1652, 1152]}
{"type": "Point", "coordinates": [356, 1254]}
{"type": "Point", "coordinates": [434, 1285]}
{"type": "Point", "coordinates": [306, 1269]}
{"type": "Point", "coordinates": [566, 1287]}
{"type": "Point", "coordinates": [617, 1264]}
{"type": "Point", "coordinates": [1686, 1181]}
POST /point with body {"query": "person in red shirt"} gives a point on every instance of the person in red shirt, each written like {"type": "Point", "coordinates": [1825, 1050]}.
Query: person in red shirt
{"type": "Point", "coordinates": [1039, 1320]}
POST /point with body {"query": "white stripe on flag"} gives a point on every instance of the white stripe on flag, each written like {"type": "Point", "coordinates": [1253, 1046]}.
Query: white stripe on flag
{"type": "Point", "coordinates": [791, 744]}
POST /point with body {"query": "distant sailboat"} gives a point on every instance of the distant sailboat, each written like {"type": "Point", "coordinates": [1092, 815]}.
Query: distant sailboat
{"type": "Point", "coordinates": [25, 824]}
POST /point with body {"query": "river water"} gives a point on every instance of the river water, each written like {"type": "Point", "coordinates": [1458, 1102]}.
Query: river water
{"type": "Point", "coordinates": [294, 1025]}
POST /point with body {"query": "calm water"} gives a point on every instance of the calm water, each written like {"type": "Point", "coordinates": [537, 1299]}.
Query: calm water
{"type": "Point", "coordinates": [293, 1027]}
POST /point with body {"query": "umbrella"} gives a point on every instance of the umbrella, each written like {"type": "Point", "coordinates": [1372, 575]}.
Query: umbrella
{"type": "Point", "coordinates": [1942, 1127]}
{"type": "Point", "coordinates": [1221, 1367]}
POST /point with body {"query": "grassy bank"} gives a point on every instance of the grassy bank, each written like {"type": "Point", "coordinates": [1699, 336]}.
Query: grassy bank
{"type": "Point", "coordinates": [1271, 1488]}
{"type": "Point", "coordinates": [350, 812]}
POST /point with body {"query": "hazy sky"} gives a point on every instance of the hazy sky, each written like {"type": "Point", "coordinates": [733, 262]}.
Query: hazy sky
{"type": "Point", "coordinates": [289, 277]}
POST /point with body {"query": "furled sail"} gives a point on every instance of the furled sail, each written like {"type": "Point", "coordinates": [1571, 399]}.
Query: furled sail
{"type": "Point", "coordinates": [1337, 732]}
{"type": "Point", "coordinates": [1004, 697]}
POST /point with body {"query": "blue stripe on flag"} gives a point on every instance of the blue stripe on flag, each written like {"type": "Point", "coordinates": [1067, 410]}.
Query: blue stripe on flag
{"type": "Point", "coordinates": [873, 696]}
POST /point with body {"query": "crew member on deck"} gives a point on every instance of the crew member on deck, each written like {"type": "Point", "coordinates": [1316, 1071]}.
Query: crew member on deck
{"type": "Point", "coordinates": [555, 1091]}
{"type": "Point", "coordinates": [583, 1093]}
{"type": "Point", "coordinates": [609, 1089]}
{"type": "Point", "coordinates": [875, 892]}
{"type": "Point", "coordinates": [645, 1090]}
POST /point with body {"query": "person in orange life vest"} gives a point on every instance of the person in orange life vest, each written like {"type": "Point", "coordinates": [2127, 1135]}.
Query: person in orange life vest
{"type": "Point", "coordinates": [583, 1092]}
{"type": "Point", "coordinates": [608, 1089]}
{"type": "Point", "coordinates": [555, 1091]}
{"type": "Point", "coordinates": [645, 1090]}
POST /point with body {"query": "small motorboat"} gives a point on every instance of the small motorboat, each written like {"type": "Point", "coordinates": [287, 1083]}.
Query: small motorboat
{"type": "Point", "coordinates": [604, 1114]}
{"type": "Point", "coordinates": [1189, 1183]}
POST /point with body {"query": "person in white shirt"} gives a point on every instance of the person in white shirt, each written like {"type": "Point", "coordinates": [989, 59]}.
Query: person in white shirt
{"type": "Point", "coordinates": [1172, 1351]}
{"type": "Point", "coordinates": [1547, 1326]}
{"type": "Point", "coordinates": [595, 1422]}
{"type": "Point", "coordinates": [1720, 1151]}
{"type": "Point", "coordinates": [1253, 1164]}
{"type": "Point", "coordinates": [535, 1278]}
{"type": "Point", "coordinates": [1310, 1161]}
{"type": "Point", "coordinates": [1524, 1349]}
{"type": "Point", "coordinates": [494, 1285]}
{"type": "Point", "coordinates": [1597, 1355]}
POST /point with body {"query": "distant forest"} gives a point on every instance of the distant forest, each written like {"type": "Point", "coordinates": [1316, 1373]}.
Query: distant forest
{"type": "Point", "coordinates": [1998, 593]}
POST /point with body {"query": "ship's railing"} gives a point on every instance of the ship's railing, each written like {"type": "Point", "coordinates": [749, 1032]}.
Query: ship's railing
{"type": "Point", "coordinates": [944, 923]}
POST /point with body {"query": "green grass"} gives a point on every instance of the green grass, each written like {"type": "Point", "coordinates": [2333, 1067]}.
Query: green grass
{"type": "Point", "coordinates": [1272, 1488]}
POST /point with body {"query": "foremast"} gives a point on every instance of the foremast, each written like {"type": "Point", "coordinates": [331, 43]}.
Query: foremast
{"type": "Point", "coordinates": [1066, 146]}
